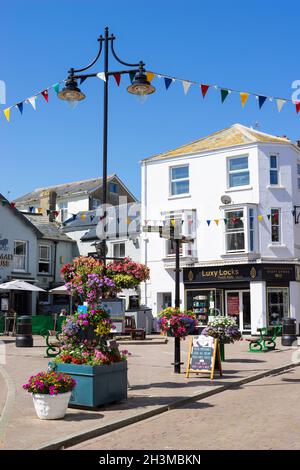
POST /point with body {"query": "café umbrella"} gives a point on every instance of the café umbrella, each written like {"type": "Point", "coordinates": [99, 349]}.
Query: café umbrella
{"type": "Point", "coordinates": [20, 285]}
{"type": "Point", "coordinates": [62, 290]}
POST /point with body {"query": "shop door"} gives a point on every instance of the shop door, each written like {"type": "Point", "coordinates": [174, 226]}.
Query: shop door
{"type": "Point", "coordinates": [238, 306]}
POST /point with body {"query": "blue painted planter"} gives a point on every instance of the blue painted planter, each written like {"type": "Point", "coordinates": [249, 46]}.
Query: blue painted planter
{"type": "Point", "coordinates": [96, 385]}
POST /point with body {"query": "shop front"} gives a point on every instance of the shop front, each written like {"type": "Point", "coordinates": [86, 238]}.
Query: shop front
{"type": "Point", "coordinates": [255, 295]}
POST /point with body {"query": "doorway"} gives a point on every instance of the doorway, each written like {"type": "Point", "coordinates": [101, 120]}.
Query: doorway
{"type": "Point", "coordinates": [238, 306]}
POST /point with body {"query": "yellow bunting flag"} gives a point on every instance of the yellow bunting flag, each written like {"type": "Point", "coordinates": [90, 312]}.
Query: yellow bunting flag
{"type": "Point", "coordinates": [150, 76]}
{"type": "Point", "coordinates": [244, 98]}
{"type": "Point", "coordinates": [172, 222]}
{"type": "Point", "coordinates": [83, 217]}
{"type": "Point", "coordinates": [260, 218]}
{"type": "Point", "coordinates": [40, 210]}
{"type": "Point", "coordinates": [7, 113]}
{"type": "Point", "coordinates": [217, 221]}
{"type": "Point", "coordinates": [128, 221]}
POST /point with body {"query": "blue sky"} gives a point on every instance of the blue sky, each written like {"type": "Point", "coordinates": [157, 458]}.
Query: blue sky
{"type": "Point", "coordinates": [245, 45]}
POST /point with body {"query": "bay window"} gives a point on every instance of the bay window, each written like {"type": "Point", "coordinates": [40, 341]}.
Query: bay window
{"type": "Point", "coordinates": [235, 231]}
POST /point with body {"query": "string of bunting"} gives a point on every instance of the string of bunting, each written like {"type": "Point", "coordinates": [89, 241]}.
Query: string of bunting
{"type": "Point", "coordinates": [168, 81]}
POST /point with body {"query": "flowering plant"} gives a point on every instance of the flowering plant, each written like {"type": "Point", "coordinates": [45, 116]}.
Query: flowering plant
{"type": "Point", "coordinates": [223, 328]}
{"type": "Point", "coordinates": [127, 273]}
{"type": "Point", "coordinates": [176, 323]}
{"type": "Point", "coordinates": [92, 356]}
{"type": "Point", "coordinates": [51, 383]}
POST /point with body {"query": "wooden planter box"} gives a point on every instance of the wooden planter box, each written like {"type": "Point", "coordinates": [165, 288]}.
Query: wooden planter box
{"type": "Point", "coordinates": [96, 385]}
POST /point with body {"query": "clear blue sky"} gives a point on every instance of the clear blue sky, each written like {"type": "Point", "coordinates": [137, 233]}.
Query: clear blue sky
{"type": "Point", "coordinates": [247, 45]}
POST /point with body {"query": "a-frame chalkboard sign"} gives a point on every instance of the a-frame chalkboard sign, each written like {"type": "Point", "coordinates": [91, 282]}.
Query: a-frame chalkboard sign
{"type": "Point", "coordinates": [204, 356]}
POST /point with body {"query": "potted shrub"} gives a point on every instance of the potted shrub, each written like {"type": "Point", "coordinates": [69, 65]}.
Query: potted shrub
{"type": "Point", "coordinates": [173, 322]}
{"type": "Point", "coordinates": [51, 392]}
{"type": "Point", "coordinates": [225, 329]}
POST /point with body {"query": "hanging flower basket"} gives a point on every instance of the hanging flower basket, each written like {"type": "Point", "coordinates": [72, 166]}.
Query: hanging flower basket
{"type": "Point", "coordinates": [173, 322]}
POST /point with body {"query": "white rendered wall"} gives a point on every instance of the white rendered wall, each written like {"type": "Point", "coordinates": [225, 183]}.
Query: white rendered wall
{"type": "Point", "coordinates": [258, 301]}
{"type": "Point", "coordinates": [295, 301]}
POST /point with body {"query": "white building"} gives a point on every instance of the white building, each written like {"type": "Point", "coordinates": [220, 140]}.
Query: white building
{"type": "Point", "coordinates": [236, 193]}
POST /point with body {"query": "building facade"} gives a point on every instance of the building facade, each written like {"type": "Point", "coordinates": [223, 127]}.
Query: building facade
{"type": "Point", "coordinates": [235, 196]}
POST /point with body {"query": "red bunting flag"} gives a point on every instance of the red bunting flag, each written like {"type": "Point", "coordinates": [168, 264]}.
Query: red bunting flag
{"type": "Point", "coordinates": [12, 204]}
{"type": "Point", "coordinates": [297, 106]}
{"type": "Point", "coordinates": [117, 78]}
{"type": "Point", "coordinates": [45, 95]}
{"type": "Point", "coordinates": [204, 89]}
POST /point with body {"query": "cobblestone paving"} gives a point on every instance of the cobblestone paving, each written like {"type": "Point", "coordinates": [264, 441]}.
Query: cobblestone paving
{"type": "Point", "coordinates": [260, 415]}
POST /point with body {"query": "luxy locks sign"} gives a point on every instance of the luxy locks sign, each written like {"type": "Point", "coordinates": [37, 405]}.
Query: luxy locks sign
{"type": "Point", "coordinates": [247, 272]}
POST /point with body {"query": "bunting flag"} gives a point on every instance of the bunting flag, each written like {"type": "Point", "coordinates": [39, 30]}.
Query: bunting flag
{"type": "Point", "coordinates": [45, 94]}
{"type": "Point", "coordinates": [82, 79]}
{"type": "Point", "coordinates": [12, 204]}
{"type": "Point", "coordinates": [102, 76]}
{"type": "Point", "coordinates": [168, 82]}
{"type": "Point", "coordinates": [128, 221]}
{"type": "Point", "coordinates": [261, 101]}
{"type": "Point", "coordinates": [56, 87]}
{"type": "Point", "coordinates": [20, 107]}
{"type": "Point", "coordinates": [269, 216]}
{"type": "Point", "coordinates": [74, 216]}
{"type": "Point", "coordinates": [117, 77]}
{"type": "Point", "coordinates": [224, 94]}
{"type": "Point", "coordinates": [92, 217]}
{"type": "Point", "coordinates": [217, 221]}
{"type": "Point", "coordinates": [150, 76]}
{"type": "Point", "coordinates": [204, 89]}
{"type": "Point", "coordinates": [297, 104]}
{"type": "Point", "coordinates": [40, 210]}
{"type": "Point", "coordinates": [260, 218]}
{"type": "Point", "coordinates": [132, 76]}
{"type": "Point", "coordinates": [225, 221]}
{"type": "Point", "coordinates": [280, 104]}
{"type": "Point", "coordinates": [186, 86]}
{"type": "Point", "coordinates": [208, 222]}
{"type": "Point", "coordinates": [7, 113]}
{"type": "Point", "coordinates": [244, 98]}
{"type": "Point", "coordinates": [32, 101]}
{"type": "Point", "coordinates": [3, 203]}
{"type": "Point", "coordinates": [31, 208]}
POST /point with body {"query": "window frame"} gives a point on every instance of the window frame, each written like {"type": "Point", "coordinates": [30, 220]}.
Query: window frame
{"type": "Point", "coordinates": [244, 230]}
{"type": "Point", "coordinates": [274, 169]}
{"type": "Point", "coordinates": [44, 261]}
{"type": "Point", "coordinates": [115, 185]}
{"type": "Point", "coordinates": [171, 180]}
{"type": "Point", "coordinates": [63, 211]}
{"type": "Point", "coordinates": [279, 225]}
{"type": "Point", "coordinates": [114, 245]}
{"type": "Point", "coordinates": [236, 172]}
{"type": "Point", "coordinates": [17, 270]}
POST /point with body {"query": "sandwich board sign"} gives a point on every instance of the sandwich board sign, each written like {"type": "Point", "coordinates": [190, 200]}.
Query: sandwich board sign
{"type": "Point", "coordinates": [204, 356]}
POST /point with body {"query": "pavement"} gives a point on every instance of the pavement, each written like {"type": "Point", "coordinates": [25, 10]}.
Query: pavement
{"type": "Point", "coordinates": [154, 389]}
{"type": "Point", "coordinates": [261, 415]}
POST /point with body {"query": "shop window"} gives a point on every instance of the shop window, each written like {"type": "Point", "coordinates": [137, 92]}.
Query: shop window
{"type": "Point", "coordinates": [179, 180]}
{"type": "Point", "coordinates": [273, 169]}
{"type": "Point", "coordinates": [275, 225]}
{"type": "Point", "coordinates": [20, 256]}
{"type": "Point", "coordinates": [205, 303]}
{"type": "Point", "coordinates": [44, 259]}
{"type": "Point", "coordinates": [278, 304]}
{"type": "Point", "coordinates": [119, 250]}
{"type": "Point", "coordinates": [235, 231]}
{"type": "Point", "coordinates": [238, 172]}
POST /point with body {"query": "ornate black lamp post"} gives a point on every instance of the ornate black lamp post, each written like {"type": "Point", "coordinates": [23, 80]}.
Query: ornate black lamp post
{"type": "Point", "coordinates": [71, 92]}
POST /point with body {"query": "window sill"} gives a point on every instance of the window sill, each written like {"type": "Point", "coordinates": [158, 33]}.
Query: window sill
{"type": "Point", "coordinates": [239, 188]}
{"type": "Point", "coordinates": [275, 186]}
{"type": "Point", "coordinates": [276, 245]}
{"type": "Point", "coordinates": [44, 274]}
{"type": "Point", "coordinates": [179, 196]}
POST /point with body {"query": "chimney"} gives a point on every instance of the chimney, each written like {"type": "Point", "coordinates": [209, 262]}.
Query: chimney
{"type": "Point", "coordinates": [298, 143]}
{"type": "Point", "coordinates": [48, 202]}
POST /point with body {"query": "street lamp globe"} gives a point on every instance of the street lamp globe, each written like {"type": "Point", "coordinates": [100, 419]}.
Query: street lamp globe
{"type": "Point", "coordinates": [71, 92]}
{"type": "Point", "coordinates": [140, 85]}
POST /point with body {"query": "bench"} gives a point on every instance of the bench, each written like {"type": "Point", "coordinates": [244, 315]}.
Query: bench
{"type": "Point", "coordinates": [266, 341]}
{"type": "Point", "coordinates": [53, 344]}
{"type": "Point", "coordinates": [130, 328]}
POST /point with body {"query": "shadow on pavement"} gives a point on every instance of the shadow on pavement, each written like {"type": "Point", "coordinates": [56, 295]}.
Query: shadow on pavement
{"type": "Point", "coordinates": [80, 416]}
{"type": "Point", "coordinates": [246, 361]}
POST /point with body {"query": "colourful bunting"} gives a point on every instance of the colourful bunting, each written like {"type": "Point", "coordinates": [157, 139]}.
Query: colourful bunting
{"type": "Point", "coordinates": [32, 102]}
{"type": "Point", "coordinates": [31, 209]}
{"type": "Point", "coordinates": [260, 218]}
{"type": "Point", "coordinates": [150, 76]}
{"type": "Point", "coordinates": [12, 204]}
{"type": "Point", "coordinates": [244, 97]}
{"type": "Point", "coordinates": [269, 216]}
{"type": "Point", "coordinates": [186, 86]}
{"type": "Point", "coordinates": [117, 77]}
{"type": "Point", "coordinates": [261, 100]}
{"type": "Point", "coordinates": [56, 87]}
{"type": "Point", "coordinates": [82, 79]}
{"type": "Point", "coordinates": [208, 222]}
{"type": "Point", "coordinates": [280, 104]}
{"type": "Point", "coordinates": [225, 221]}
{"type": "Point", "coordinates": [102, 76]}
{"type": "Point", "coordinates": [45, 95]}
{"type": "Point", "coordinates": [7, 113]}
{"type": "Point", "coordinates": [132, 76]}
{"type": "Point", "coordinates": [224, 94]}
{"type": "Point", "coordinates": [297, 103]}
{"type": "Point", "coordinates": [20, 107]}
{"type": "Point", "coordinates": [3, 203]}
{"type": "Point", "coordinates": [168, 82]}
{"type": "Point", "coordinates": [40, 210]}
{"type": "Point", "coordinates": [204, 89]}
{"type": "Point", "coordinates": [217, 221]}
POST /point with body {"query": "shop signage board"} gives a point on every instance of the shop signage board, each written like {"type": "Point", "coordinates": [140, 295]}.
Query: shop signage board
{"type": "Point", "coordinates": [204, 356]}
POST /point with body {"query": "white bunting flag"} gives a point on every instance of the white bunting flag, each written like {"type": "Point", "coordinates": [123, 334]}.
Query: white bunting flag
{"type": "Point", "coordinates": [32, 102]}
{"type": "Point", "coordinates": [280, 103]}
{"type": "Point", "coordinates": [186, 86]}
{"type": "Point", "coordinates": [102, 76]}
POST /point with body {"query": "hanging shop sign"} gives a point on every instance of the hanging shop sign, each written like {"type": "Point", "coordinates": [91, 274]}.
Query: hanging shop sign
{"type": "Point", "coordinates": [243, 272]}
{"type": "Point", "coordinates": [204, 356]}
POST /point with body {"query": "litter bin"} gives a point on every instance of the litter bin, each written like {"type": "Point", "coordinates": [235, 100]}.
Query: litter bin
{"type": "Point", "coordinates": [24, 332]}
{"type": "Point", "coordinates": [288, 331]}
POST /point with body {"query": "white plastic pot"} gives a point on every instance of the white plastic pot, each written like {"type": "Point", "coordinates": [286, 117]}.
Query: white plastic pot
{"type": "Point", "coordinates": [51, 406]}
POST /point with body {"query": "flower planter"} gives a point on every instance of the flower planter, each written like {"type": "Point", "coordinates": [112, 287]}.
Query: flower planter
{"type": "Point", "coordinates": [96, 385]}
{"type": "Point", "coordinates": [51, 406]}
